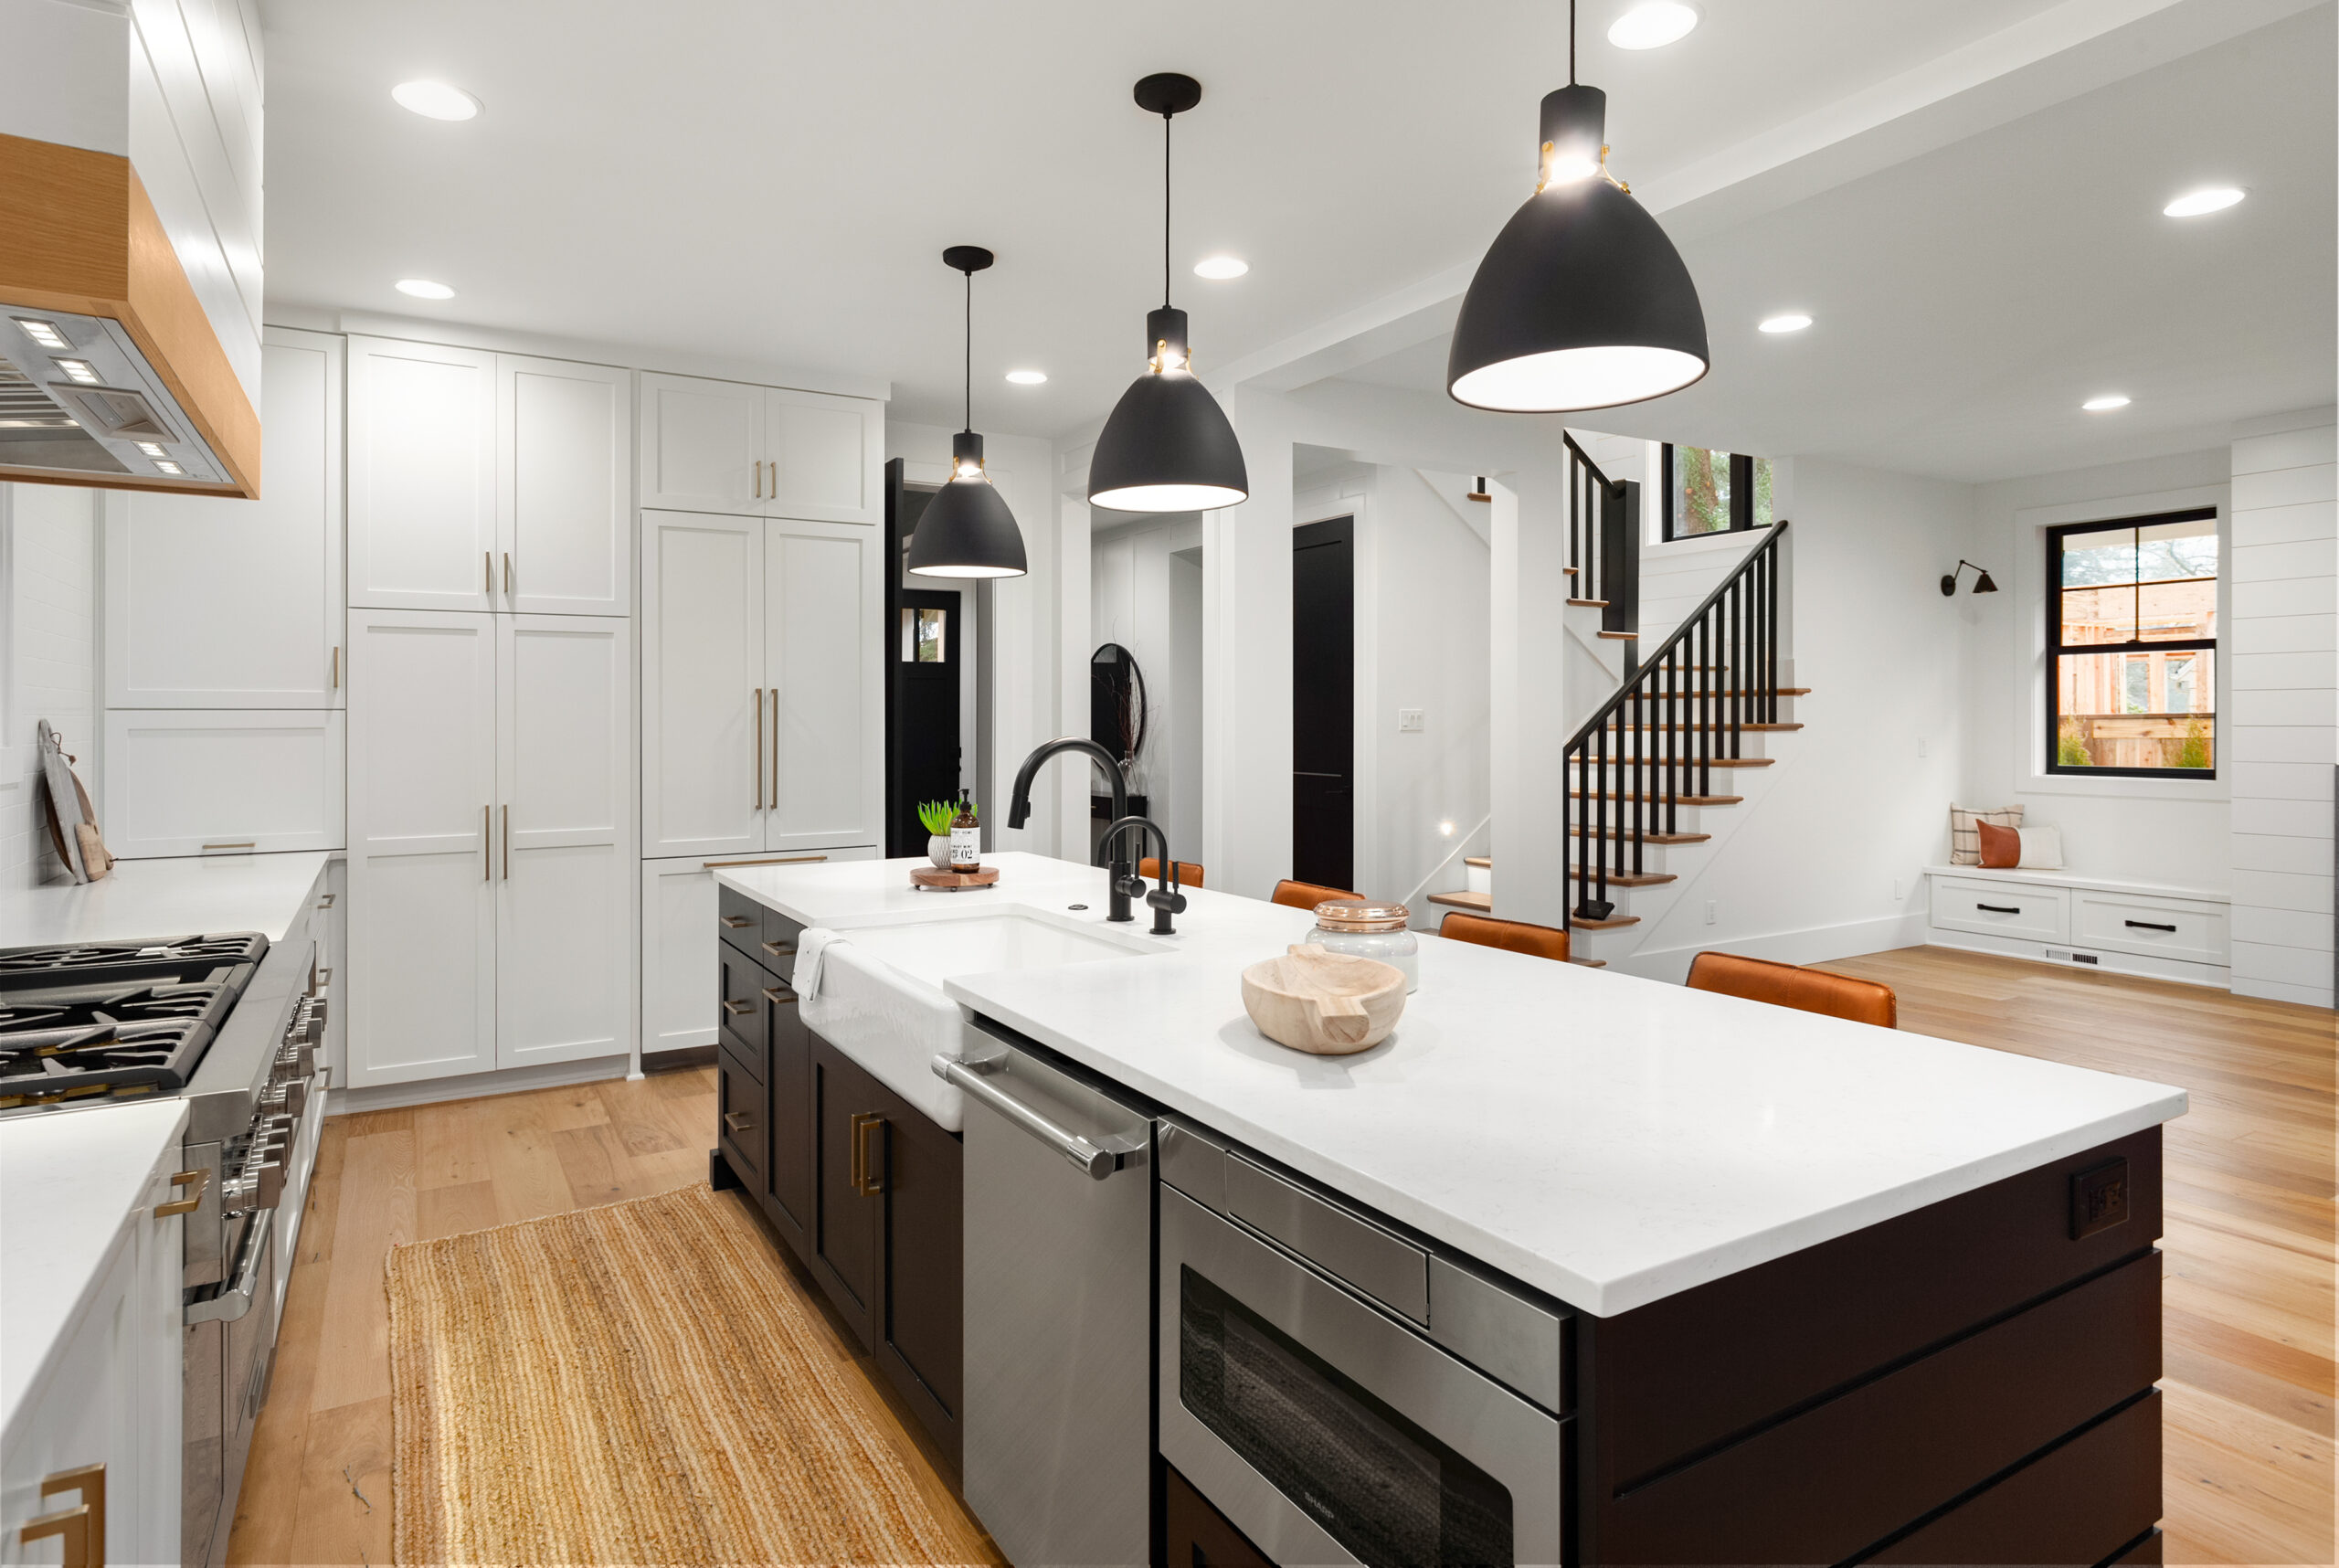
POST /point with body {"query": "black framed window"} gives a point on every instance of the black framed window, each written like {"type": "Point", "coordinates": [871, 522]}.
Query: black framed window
{"type": "Point", "coordinates": [2131, 639]}
{"type": "Point", "coordinates": [1709, 491]}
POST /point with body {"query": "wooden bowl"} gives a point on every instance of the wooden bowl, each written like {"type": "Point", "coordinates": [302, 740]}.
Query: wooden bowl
{"type": "Point", "coordinates": [1324, 1003]}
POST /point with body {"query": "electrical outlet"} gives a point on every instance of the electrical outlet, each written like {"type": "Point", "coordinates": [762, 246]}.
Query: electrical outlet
{"type": "Point", "coordinates": [1409, 721]}
{"type": "Point", "coordinates": [2099, 1199]}
{"type": "Point", "coordinates": [1896, 890]}
{"type": "Point", "coordinates": [1713, 910]}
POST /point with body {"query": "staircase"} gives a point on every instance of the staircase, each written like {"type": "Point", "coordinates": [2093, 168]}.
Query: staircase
{"type": "Point", "coordinates": [1679, 740]}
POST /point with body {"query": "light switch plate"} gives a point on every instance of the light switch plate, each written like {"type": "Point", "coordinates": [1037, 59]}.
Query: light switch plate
{"type": "Point", "coordinates": [1409, 721]}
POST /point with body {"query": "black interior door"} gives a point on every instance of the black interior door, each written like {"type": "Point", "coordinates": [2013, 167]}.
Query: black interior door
{"type": "Point", "coordinates": [925, 712]}
{"type": "Point", "coordinates": [1323, 702]}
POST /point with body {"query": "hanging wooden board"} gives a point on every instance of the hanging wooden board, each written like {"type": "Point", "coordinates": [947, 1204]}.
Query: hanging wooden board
{"type": "Point", "coordinates": [952, 881]}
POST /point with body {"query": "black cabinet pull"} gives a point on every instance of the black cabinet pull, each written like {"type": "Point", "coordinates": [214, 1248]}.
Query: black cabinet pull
{"type": "Point", "coordinates": [2152, 925]}
{"type": "Point", "coordinates": [2000, 909]}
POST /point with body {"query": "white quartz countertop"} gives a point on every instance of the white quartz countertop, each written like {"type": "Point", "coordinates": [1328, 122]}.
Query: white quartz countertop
{"type": "Point", "coordinates": [68, 1188]}
{"type": "Point", "coordinates": [1608, 1139]}
{"type": "Point", "coordinates": [260, 892]}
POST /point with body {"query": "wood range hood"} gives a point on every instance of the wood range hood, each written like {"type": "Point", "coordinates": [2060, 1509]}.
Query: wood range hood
{"type": "Point", "coordinates": [110, 373]}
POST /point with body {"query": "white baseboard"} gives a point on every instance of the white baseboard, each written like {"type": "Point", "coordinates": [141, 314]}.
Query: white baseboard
{"type": "Point", "coordinates": [476, 1085]}
{"type": "Point", "coordinates": [2212, 977]}
{"type": "Point", "coordinates": [1816, 945]}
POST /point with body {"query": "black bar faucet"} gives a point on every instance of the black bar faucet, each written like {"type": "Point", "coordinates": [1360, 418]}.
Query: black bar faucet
{"type": "Point", "coordinates": [1165, 900]}
{"type": "Point", "coordinates": [1116, 875]}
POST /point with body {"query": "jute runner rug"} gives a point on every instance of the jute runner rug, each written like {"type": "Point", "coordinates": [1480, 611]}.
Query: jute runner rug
{"type": "Point", "coordinates": [632, 1384]}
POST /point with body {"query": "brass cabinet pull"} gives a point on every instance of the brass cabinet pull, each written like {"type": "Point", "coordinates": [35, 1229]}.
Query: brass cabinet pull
{"type": "Point", "coordinates": [487, 563]}
{"type": "Point", "coordinates": [773, 860]}
{"type": "Point", "coordinates": [734, 922]}
{"type": "Point", "coordinates": [759, 749]}
{"type": "Point", "coordinates": [759, 479]}
{"type": "Point", "coordinates": [507, 574]}
{"type": "Point", "coordinates": [336, 667]}
{"type": "Point", "coordinates": [735, 1009]}
{"type": "Point", "coordinates": [487, 843]}
{"type": "Point", "coordinates": [239, 843]}
{"type": "Point", "coordinates": [507, 841]}
{"type": "Point", "coordinates": [775, 748]}
{"type": "Point", "coordinates": [89, 1481]}
{"type": "Point", "coordinates": [866, 1179]}
{"type": "Point", "coordinates": [737, 1121]}
{"type": "Point", "coordinates": [777, 997]}
{"type": "Point", "coordinates": [326, 902]}
{"type": "Point", "coordinates": [774, 949]}
{"type": "Point", "coordinates": [73, 1524]}
{"type": "Point", "coordinates": [200, 1180]}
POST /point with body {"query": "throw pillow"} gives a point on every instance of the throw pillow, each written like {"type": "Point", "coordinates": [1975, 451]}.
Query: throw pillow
{"type": "Point", "coordinates": [1964, 843]}
{"type": "Point", "coordinates": [2001, 847]}
{"type": "Point", "coordinates": [2042, 848]}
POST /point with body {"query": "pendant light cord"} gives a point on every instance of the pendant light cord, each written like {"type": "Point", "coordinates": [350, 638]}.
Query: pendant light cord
{"type": "Point", "coordinates": [1165, 211]}
{"type": "Point", "coordinates": [1571, 43]}
{"type": "Point", "coordinates": [971, 350]}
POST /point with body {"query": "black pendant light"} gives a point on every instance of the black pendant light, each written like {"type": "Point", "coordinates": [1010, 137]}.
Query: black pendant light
{"type": "Point", "coordinates": [1582, 301]}
{"type": "Point", "coordinates": [1168, 447]}
{"type": "Point", "coordinates": [967, 530]}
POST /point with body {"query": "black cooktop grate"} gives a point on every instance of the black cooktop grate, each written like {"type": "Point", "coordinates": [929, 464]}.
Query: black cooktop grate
{"type": "Point", "coordinates": [115, 1018]}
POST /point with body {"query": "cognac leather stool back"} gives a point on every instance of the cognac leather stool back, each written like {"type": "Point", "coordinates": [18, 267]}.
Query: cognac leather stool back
{"type": "Point", "coordinates": [1307, 895]}
{"type": "Point", "coordinates": [1513, 935]}
{"type": "Point", "coordinates": [1785, 985]}
{"type": "Point", "coordinates": [1190, 874]}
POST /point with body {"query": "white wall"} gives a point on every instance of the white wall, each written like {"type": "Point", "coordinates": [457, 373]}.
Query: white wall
{"type": "Point", "coordinates": [2145, 830]}
{"type": "Point", "coordinates": [47, 660]}
{"type": "Point", "coordinates": [2278, 738]}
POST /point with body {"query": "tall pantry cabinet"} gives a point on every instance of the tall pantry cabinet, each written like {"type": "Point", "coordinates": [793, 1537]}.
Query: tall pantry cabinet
{"type": "Point", "coordinates": [491, 800]}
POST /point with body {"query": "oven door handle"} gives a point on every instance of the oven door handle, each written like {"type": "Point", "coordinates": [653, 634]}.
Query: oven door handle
{"type": "Point", "coordinates": [235, 1301]}
{"type": "Point", "coordinates": [1097, 1163]}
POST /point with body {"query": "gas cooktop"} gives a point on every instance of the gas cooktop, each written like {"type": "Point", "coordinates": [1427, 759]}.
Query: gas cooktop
{"type": "Point", "coordinates": [115, 1019]}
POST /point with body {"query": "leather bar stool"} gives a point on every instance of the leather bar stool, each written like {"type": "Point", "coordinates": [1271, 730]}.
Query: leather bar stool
{"type": "Point", "coordinates": [1307, 895]}
{"type": "Point", "coordinates": [1787, 985]}
{"type": "Point", "coordinates": [1189, 873]}
{"type": "Point", "coordinates": [1511, 935]}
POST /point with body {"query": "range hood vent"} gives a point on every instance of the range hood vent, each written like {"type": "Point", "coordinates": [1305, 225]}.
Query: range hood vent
{"type": "Point", "coordinates": [77, 396]}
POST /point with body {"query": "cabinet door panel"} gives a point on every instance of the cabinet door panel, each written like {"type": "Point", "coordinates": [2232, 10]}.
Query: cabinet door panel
{"type": "Point", "coordinates": [826, 455]}
{"type": "Point", "coordinates": [845, 1241]}
{"type": "Point", "coordinates": [788, 1058]}
{"type": "Point", "coordinates": [678, 976]}
{"type": "Point", "coordinates": [421, 789]}
{"type": "Point", "coordinates": [703, 772]}
{"type": "Point", "coordinates": [421, 476]}
{"type": "Point", "coordinates": [921, 1342]}
{"type": "Point", "coordinates": [565, 840]}
{"type": "Point", "coordinates": [821, 604]}
{"type": "Point", "coordinates": [213, 603]}
{"type": "Point", "coordinates": [701, 443]}
{"type": "Point", "coordinates": [180, 781]}
{"type": "Point", "coordinates": [565, 486]}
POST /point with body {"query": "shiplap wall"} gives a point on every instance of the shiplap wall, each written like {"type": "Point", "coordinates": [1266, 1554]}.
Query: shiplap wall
{"type": "Point", "coordinates": [2283, 735]}
{"type": "Point", "coordinates": [49, 667]}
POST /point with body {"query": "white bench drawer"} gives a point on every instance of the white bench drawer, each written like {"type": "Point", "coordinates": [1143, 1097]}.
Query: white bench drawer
{"type": "Point", "coordinates": [2163, 927]}
{"type": "Point", "coordinates": [2032, 914]}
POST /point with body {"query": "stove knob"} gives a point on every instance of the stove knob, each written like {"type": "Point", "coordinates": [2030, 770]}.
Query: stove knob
{"type": "Point", "coordinates": [296, 1096]}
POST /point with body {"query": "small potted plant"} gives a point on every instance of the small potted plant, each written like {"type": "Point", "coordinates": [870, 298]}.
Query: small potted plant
{"type": "Point", "coordinates": [937, 817]}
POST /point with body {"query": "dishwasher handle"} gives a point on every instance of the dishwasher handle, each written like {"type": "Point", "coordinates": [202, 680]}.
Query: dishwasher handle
{"type": "Point", "coordinates": [1097, 1163]}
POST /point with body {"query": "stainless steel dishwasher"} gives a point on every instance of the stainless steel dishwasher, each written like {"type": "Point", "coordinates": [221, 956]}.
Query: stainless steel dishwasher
{"type": "Point", "coordinates": [1059, 1302]}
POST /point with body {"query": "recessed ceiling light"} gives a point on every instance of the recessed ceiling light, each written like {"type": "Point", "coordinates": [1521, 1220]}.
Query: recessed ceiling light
{"type": "Point", "coordinates": [424, 289]}
{"type": "Point", "coordinates": [1653, 25]}
{"type": "Point", "coordinates": [1220, 267]}
{"type": "Point", "coordinates": [2104, 403]}
{"type": "Point", "coordinates": [2193, 204]}
{"type": "Point", "coordinates": [1791, 322]}
{"type": "Point", "coordinates": [77, 370]}
{"type": "Point", "coordinates": [436, 100]}
{"type": "Point", "coordinates": [1026, 377]}
{"type": "Point", "coordinates": [43, 332]}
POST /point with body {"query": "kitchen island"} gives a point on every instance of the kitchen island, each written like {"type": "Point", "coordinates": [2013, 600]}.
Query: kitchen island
{"type": "Point", "coordinates": [1831, 1292]}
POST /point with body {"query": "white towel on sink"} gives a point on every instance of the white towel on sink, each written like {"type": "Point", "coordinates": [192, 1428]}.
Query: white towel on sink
{"type": "Point", "coordinates": [810, 943]}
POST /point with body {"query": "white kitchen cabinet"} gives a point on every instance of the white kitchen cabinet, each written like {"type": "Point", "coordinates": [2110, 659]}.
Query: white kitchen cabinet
{"type": "Point", "coordinates": [422, 470]}
{"type": "Point", "coordinates": [762, 718]}
{"type": "Point", "coordinates": [564, 942]}
{"type": "Point", "coordinates": [421, 992]}
{"type": "Point", "coordinates": [764, 452]}
{"type": "Point", "coordinates": [112, 1399]}
{"type": "Point", "coordinates": [215, 603]}
{"type": "Point", "coordinates": [678, 909]}
{"type": "Point", "coordinates": [563, 487]}
{"type": "Point", "coordinates": [181, 781]}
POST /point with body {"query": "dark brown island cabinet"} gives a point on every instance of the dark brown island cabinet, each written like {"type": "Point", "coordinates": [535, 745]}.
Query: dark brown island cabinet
{"type": "Point", "coordinates": [861, 1185]}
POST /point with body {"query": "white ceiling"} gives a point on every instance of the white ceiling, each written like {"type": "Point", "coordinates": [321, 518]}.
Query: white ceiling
{"type": "Point", "coordinates": [775, 179]}
{"type": "Point", "coordinates": [1968, 301]}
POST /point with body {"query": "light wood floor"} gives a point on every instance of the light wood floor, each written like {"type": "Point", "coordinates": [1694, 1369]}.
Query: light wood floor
{"type": "Point", "coordinates": [2249, 1297]}
{"type": "Point", "coordinates": [317, 1488]}
{"type": "Point", "coordinates": [2247, 1293]}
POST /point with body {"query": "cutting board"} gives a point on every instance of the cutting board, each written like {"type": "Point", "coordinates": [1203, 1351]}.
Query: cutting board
{"type": "Point", "coordinates": [952, 881]}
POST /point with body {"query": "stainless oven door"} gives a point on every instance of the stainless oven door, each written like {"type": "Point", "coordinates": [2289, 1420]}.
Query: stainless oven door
{"type": "Point", "coordinates": [1327, 1430]}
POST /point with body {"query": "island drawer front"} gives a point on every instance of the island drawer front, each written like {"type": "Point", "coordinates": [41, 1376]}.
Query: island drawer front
{"type": "Point", "coordinates": [739, 919]}
{"type": "Point", "coordinates": [1681, 1376]}
{"type": "Point", "coordinates": [739, 1013]}
{"type": "Point", "coordinates": [741, 1124]}
{"type": "Point", "coordinates": [2158, 928]}
{"type": "Point", "coordinates": [2081, 1502]}
{"type": "Point", "coordinates": [775, 945]}
{"type": "Point", "coordinates": [1830, 1482]}
{"type": "Point", "coordinates": [2000, 909]}
{"type": "Point", "coordinates": [1386, 1268]}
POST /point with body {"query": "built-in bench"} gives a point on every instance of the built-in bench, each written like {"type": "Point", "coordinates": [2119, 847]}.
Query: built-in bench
{"type": "Point", "coordinates": [2089, 922]}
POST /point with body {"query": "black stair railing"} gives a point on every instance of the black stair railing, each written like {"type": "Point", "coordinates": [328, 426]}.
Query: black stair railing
{"type": "Point", "coordinates": [1604, 537]}
{"type": "Point", "coordinates": [1651, 747]}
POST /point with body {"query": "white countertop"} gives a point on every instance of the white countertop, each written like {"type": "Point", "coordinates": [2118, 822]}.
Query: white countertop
{"type": "Point", "coordinates": [68, 1190]}
{"type": "Point", "coordinates": [259, 893]}
{"type": "Point", "coordinates": [1608, 1139]}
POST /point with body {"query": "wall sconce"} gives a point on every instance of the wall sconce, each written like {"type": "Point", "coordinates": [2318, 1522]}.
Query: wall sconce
{"type": "Point", "coordinates": [1982, 583]}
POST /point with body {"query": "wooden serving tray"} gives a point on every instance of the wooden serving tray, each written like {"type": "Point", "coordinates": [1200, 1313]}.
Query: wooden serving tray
{"type": "Point", "coordinates": [953, 880]}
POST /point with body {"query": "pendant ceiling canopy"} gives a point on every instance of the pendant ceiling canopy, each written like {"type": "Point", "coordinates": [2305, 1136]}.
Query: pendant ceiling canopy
{"type": "Point", "coordinates": [968, 530]}
{"type": "Point", "coordinates": [1168, 446]}
{"type": "Point", "coordinates": [1582, 301]}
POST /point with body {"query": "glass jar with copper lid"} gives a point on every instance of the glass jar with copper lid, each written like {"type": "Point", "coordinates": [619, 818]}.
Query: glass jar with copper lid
{"type": "Point", "coordinates": [1370, 931]}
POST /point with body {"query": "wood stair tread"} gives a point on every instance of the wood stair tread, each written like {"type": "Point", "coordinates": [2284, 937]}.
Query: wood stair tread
{"type": "Point", "coordinates": [1589, 603]}
{"type": "Point", "coordinates": [1481, 903]}
{"type": "Point", "coordinates": [1648, 838]}
{"type": "Point", "coordinates": [1486, 861]}
{"type": "Point", "coordinates": [1663, 799]}
{"type": "Point", "coordinates": [1620, 636]}
{"type": "Point", "coordinates": [1591, 963]}
{"type": "Point", "coordinates": [1623, 878]}
{"type": "Point", "coordinates": [1689, 728]}
{"type": "Point", "coordinates": [1578, 923]}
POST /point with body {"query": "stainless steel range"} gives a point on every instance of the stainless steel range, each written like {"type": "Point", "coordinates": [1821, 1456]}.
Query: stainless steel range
{"type": "Point", "coordinates": [232, 1025]}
